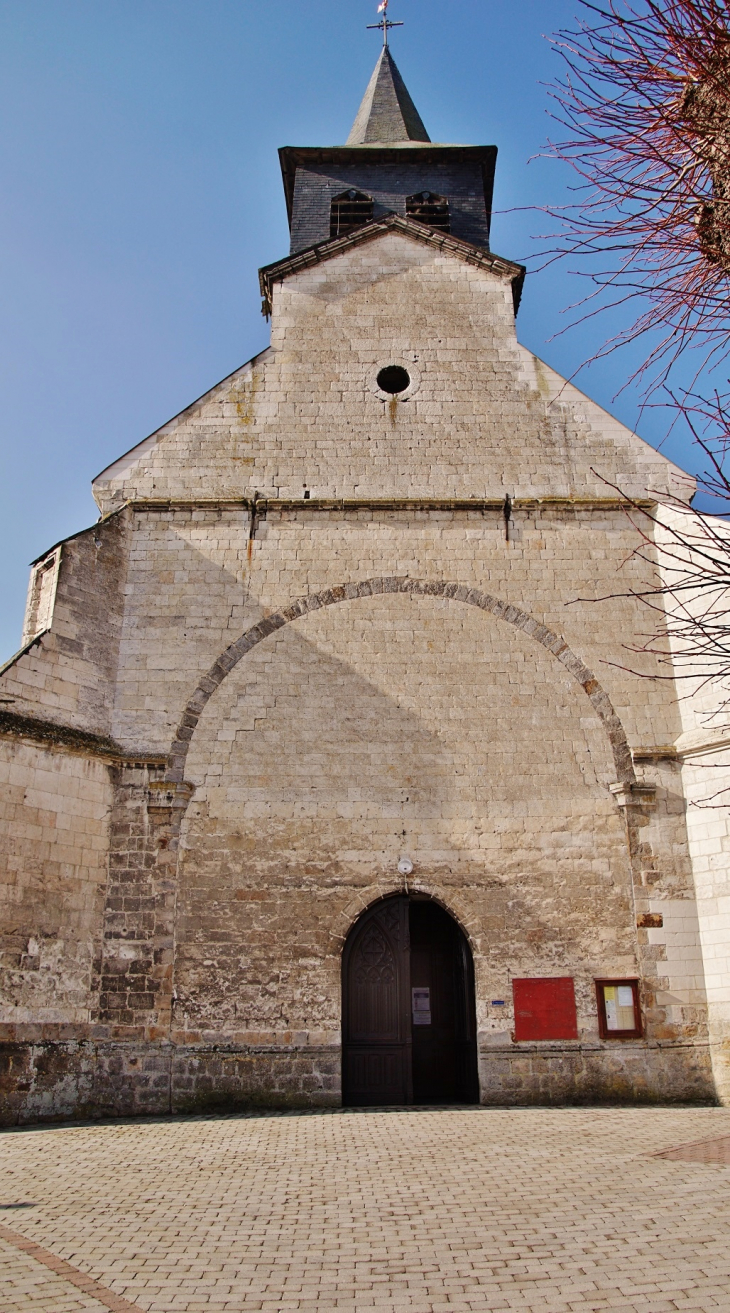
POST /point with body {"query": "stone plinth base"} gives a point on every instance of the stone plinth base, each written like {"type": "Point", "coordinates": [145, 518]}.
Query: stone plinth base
{"type": "Point", "coordinates": [630, 1072]}
{"type": "Point", "coordinates": [56, 1080]}
{"type": "Point", "coordinates": [59, 1079]}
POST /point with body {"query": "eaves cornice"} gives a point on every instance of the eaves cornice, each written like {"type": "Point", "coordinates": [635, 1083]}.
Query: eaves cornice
{"type": "Point", "coordinates": [292, 158]}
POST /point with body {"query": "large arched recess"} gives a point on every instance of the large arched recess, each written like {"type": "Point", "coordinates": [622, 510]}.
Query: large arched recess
{"type": "Point", "coordinates": [408, 1009]}
{"type": "Point", "coordinates": [502, 610]}
{"type": "Point", "coordinates": [406, 721]}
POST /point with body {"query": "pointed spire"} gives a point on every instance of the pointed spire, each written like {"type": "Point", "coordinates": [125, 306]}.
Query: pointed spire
{"type": "Point", "coordinates": [387, 113]}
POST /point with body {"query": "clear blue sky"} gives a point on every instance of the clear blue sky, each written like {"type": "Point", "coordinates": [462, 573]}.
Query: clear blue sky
{"type": "Point", "coordinates": [141, 191]}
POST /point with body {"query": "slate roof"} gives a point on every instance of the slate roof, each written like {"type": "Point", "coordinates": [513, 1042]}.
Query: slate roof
{"type": "Point", "coordinates": [387, 113]}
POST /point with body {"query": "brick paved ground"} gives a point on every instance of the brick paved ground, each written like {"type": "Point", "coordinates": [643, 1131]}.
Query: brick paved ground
{"type": "Point", "coordinates": [551, 1210]}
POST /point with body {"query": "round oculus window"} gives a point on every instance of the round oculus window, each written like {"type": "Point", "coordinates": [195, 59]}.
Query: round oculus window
{"type": "Point", "coordinates": [394, 379]}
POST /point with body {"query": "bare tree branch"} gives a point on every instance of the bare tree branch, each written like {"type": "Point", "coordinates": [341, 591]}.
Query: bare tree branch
{"type": "Point", "coordinates": [645, 100]}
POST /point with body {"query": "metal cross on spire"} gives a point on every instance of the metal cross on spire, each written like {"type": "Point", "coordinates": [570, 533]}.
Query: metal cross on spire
{"type": "Point", "coordinates": [385, 23]}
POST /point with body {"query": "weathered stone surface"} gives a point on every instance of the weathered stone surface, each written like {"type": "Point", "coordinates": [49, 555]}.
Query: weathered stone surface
{"type": "Point", "coordinates": [335, 681]}
{"type": "Point", "coordinates": [54, 810]}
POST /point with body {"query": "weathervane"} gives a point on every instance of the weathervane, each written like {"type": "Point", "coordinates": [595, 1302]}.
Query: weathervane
{"type": "Point", "coordinates": [384, 23]}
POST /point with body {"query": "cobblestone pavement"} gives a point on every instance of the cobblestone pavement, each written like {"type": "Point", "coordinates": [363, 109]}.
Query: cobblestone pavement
{"type": "Point", "coordinates": [556, 1210]}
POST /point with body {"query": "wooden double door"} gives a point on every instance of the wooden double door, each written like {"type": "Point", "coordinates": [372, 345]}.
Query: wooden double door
{"type": "Point", "coordinates": [409, 1026]}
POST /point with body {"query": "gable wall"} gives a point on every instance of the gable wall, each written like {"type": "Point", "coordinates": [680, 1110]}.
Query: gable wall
{"type": "Point", "coordinates": [513, 821]}
{"type": "Point", "coordinates": [309, 414]}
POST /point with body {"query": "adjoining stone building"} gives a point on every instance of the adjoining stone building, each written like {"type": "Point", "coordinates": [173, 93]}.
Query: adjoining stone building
{"type": "Point", "coordinates": [324, 775]}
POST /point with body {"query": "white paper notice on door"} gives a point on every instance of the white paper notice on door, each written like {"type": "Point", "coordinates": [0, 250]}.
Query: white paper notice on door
{"type": "Point", "coordinates": [421, 1006]}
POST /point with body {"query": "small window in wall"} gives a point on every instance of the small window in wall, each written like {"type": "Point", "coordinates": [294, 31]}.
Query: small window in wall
{"type": "Point", "coordinates": [429, 208]}
{"type": "Point", "coordinates": [348, 211]}
{"type": "Point", "coordinates": [41, 597]}
{"type": "Point", "coordinates": [545, 1008]}
{"type": "Point", "coordinates": [619, 1014]}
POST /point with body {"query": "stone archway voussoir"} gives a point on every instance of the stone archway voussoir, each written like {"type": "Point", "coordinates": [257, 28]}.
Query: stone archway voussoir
{"type": "Point", "coordinates": [353, 591]}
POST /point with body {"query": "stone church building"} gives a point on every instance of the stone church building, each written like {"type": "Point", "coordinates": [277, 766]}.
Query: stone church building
{"type": "Point", "coordinates": [326, 777]}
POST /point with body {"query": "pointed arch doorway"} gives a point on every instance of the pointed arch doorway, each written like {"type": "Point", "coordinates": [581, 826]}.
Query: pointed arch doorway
{"type": "Point", "coordinates": [408, 1016]}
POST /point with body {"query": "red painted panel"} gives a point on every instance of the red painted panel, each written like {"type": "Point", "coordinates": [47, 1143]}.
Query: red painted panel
{"type": "Point", "coordinates": [545, 1008]}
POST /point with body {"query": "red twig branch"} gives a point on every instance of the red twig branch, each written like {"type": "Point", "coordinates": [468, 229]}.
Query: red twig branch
{"type": "Point", "coordinates": [645, 100]}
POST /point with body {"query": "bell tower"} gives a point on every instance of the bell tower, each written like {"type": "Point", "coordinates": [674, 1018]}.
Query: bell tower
{"type": "Point", "coordinates": [388, 165]}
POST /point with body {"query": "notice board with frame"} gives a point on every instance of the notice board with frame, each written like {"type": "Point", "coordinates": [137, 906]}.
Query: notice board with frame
{"type": "Point", "coordinates": [619, 1009]}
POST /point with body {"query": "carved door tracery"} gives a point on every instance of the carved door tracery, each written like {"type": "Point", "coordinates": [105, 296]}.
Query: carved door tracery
{"type": "Point", "coordinates": [388, 1054]}
{"type": "Point", "coordinates": [376, 993]}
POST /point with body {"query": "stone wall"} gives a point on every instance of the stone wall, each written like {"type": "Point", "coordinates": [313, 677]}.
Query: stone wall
{"type": "Point", "coordinates": [703, 758]}
{"type": "Point", "coordinates": [197, 581]}
{"type": "Point", "coordinates": [337, 745]}
{"type": "Point", "coordinates": [478, 421]}
{"type": "Point", "coordinates": [43, 1079]}
{"type": "Point", "coordinates": [68, 674]}
{"type": "Point", "coordinates": [54, 817]}
{"type": "Point", "coordinates": [705, 776]}
{"type": "Point", "coordinates": [453, 686]}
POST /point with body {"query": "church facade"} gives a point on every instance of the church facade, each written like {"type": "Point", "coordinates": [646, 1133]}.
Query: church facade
{"type": "Point", "coordinates": [326, 776]}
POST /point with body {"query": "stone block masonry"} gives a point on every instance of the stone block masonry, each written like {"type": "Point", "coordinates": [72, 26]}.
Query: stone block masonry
{"type": "Point", "coordinates": [54, 812]}
{"type": "Point", "coordinates": [303, 642]}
